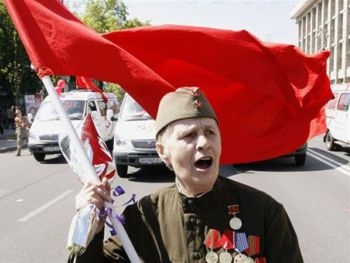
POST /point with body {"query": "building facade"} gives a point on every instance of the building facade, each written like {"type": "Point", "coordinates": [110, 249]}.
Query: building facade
{"type": "Point", "coordinates": [325, 25]}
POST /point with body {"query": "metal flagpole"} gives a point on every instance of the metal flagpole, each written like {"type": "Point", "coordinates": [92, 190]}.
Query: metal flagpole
{"type": "Point", "coordinates": [90, 176]}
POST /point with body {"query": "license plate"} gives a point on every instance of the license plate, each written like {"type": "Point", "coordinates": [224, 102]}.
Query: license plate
{"type": "Point", "coordinates": [51, 149]}
{"type": "Point", "coordinates": [150, 160]}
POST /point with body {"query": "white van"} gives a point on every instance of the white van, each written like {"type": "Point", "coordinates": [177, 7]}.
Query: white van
{"type": "Point", "coordinates": [338, 118]}
{"type": "Point", "coordinates": [135, 139]}
{"type": "Point", "coordinates": [46, 127]}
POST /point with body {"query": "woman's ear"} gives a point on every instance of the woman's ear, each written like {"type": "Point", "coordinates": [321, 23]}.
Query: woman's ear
{"type": "Point", "coordinates": [161, 152]}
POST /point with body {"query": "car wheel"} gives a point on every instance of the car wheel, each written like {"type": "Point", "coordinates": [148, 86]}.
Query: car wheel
{"type": "Point", "coordinates": [122, 170]}
{"type": "Point", "coordinates": [329, 141]}
{"type": "Point", "coordinates": [300, 159]}
{"type": "Point", "coordinates": [39, 156]}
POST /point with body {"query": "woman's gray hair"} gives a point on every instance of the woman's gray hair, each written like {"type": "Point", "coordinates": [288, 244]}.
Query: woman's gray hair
{"type": "Point", "coordinates": [160, 139]}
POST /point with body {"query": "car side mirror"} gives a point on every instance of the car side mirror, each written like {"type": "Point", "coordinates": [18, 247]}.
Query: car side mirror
{"type": "Point", "coordinates": [30, 117]}
{"type": "Point", "coordinates": [110, 115]}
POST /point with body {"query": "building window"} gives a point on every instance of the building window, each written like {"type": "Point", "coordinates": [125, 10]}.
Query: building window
{"type": "Point", "coordinates": [332, 29]}
{"type": "Point", "coordinates": [340, 27]}
{"type": "Point", "coordinates": [339, 57]}
{"type": "Point", "coordinates": [331, 59]}
{"type": "Point", "coordinates": [340, 6]}
{"type": "Point", "coordinates": [326, 10]}
{"type": "Point", "coordinates": [319, 15]}
{"type": "Point", "coordinates": [333, 3]}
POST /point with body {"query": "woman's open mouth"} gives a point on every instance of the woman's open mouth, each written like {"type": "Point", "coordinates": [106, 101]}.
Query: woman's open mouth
{"type": "Point", "coordinates": [204, 162]}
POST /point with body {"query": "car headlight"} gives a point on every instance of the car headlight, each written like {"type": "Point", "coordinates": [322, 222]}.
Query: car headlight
{"type": "Point", "coordinates": [33, 137]}
{"type": "Point", "coordinates": [121, 142]}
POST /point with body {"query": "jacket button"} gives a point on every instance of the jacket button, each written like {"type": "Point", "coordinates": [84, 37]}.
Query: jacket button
{"type": "Point", "coordinates": [196, 255]}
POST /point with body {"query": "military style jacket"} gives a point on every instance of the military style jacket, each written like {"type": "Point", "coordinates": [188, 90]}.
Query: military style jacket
{"type": "Point", "coordinates": [169, 227]}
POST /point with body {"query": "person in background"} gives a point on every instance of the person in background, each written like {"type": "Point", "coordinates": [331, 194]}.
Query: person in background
{"type": "Point", "coordinates": [202, 217]}
{"type": "Point", "coordinates": [22, 126]}
{"type": "Point", "coordinates": [10, 117]}
{"type": "Point", "coordinates": [3, 118]}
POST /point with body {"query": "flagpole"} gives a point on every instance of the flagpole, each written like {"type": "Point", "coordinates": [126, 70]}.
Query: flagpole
{"type": "Point", "coordinates": [90, 175]}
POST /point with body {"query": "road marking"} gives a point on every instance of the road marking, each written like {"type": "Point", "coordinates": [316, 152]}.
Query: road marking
{"type": "Point", "coordinates": [44, 207]}
{"type": "Point", "coordinates": [343, 168]}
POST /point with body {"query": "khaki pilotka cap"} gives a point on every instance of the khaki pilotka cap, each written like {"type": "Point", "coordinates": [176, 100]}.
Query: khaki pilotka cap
{"type": "Point", "coordinates": [183, 103]}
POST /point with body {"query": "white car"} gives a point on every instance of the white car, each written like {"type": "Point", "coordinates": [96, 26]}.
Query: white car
{"type": "Point", "coordinates": [338, 118]}
{"type": "Point", "coordinates": [134, 139]}
{"type": "Point", "coordinates": [46, 127]}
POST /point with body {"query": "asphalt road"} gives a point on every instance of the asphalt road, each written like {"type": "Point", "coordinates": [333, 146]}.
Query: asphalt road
{"type": "Point", "coordinates": [37, 201]}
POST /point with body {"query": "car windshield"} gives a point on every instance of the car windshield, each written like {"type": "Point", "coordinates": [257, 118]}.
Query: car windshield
{"type": "Point", "coordinates": [132, 111]}
{"type": "Point", "coordinates": [74, 109]}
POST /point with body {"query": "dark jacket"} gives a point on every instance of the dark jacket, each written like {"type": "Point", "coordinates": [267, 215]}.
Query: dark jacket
{"type": "Point", "coordinates": [169, 227]}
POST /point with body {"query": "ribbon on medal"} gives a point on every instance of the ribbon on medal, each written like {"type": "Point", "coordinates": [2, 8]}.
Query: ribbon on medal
{"type": "Point", "coordinates": [254, 245]}
{"type": "Point", "coordinates": [241, 241]}
{"type": "Point", "coordinates": [227, 240]}
{"type": "Point", "coordinates": [235, 223]}
{"type": "Point", "coordinates": [260, 260]}
{"type": "Point", "coordinates": [212, 241]}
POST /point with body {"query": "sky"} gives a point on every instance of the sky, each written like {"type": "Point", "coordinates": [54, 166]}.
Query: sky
{"type": "Point", "coordinates": [269, 20]}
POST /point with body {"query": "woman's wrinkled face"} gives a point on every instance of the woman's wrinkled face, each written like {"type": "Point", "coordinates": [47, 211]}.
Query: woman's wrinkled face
{"type": "Point", "coordinates": [192, 147]}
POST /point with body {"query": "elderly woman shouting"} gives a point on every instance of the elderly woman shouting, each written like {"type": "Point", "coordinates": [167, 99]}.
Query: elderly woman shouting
{"type": "Point", "coordinates": [202, 217]}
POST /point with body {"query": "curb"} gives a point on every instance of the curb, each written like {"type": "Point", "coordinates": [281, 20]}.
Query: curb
{"type": "Point", "coordinates": [8, 141]}
{"type": "Point", "coordinates": [9, 148]}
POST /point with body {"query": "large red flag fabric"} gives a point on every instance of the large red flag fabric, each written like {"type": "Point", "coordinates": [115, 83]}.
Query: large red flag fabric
{"type": "Point", "coordinates": [268, 97]}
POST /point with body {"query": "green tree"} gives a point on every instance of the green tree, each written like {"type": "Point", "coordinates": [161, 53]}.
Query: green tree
{"type": "Point", "coordinates": [108, 15]}
{"type": "Point", "coordinates": [16, 76]}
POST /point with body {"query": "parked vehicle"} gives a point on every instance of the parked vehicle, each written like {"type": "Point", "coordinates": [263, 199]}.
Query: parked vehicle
{"type": "Point", "coordinates": [46, 127]}
{"type": "Point", "coordinates": [338, 118]}
{"type": "Point", "coordinates": [134, 139]}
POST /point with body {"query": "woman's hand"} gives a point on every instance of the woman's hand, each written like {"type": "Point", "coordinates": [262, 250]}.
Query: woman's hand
{"type": "Point", "coordinates": [96, 194]}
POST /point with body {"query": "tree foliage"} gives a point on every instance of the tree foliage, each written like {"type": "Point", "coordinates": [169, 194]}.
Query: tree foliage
{"type": "Point", "coordinates": [16, 76]}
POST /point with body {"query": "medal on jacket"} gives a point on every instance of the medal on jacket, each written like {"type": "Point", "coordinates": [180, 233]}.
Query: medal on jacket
{"type": "Point", "coordinates": [212, 241]}
{"type": "Point", "coordinates": [248, 260]}
{"type": "Point", "coordinates": [235, 223]}
{"type": "Point", "coordinates": [227, 242]}
{"type": "Point", "coordinates": [239, 258]}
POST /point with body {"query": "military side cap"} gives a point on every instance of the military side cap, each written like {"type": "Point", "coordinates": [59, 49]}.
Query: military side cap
{"type": "Point", "coordinates": [183, 103]}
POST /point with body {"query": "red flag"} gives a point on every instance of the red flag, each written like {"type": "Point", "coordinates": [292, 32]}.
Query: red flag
{"type": "Point", "coordinates": [97, 150]}
{"type": "Point", "coordinates": [268, 97]}
{"type": "Point", "coordinates": [59, 43]}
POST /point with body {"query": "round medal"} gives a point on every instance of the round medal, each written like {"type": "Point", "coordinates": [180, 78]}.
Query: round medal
{"type": "Point", "coordinates": [235, 223]}
{"type": "Point", "coordinates": [239, 258]}
{"type": "Point", "coordinates": [225, 257]}
{"type": "Point", "coordinates": [211, 257]}
{"type": "Point", "coordinates": [248, 260]}
{"type": "Point", "coordinates": [234, 254]}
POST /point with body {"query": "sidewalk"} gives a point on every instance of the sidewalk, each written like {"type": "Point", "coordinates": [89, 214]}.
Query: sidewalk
{"type": "Point", "coordinates": [8, 141]}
